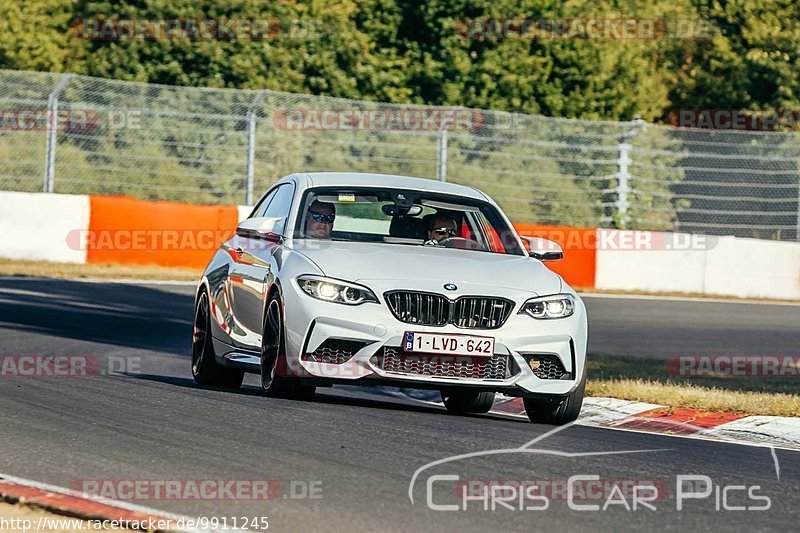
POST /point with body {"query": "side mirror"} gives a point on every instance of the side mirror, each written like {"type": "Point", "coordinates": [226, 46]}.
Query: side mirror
{"type": "Point", "coordinates": [263, 228]}
{"type": "Point", "coordinates": [544, 249]}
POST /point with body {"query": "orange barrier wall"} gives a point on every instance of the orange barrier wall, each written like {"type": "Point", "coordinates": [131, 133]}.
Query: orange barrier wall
{"type": "Point", "coordinates": [578, 267]}
{"type": "Point", "coordinates": [139, 232]}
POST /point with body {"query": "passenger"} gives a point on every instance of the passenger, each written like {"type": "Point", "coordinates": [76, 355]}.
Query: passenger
{"type": "Point", "coordinates": [442, 227]}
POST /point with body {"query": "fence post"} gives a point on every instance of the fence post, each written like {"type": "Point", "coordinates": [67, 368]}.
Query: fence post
{"type": "Point", "coordinates": [252, 115]}
{"type": "Point", "coordinates": [623, 175]}
{"type": "Point", "coordinates": [52, 132]}
{"type": "Point", "coordinates": [797, 232]}
{"type": "Point", "coordinates": [441, 159]}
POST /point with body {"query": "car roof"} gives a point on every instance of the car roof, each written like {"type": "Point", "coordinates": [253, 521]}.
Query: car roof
{"type": "Point", "coordinates": [364, 179]}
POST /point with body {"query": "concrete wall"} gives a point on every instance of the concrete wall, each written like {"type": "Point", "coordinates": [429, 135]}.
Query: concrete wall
{"type": "Point", "coordinates": [752, 267]}
{"type": "Point", "coordinates": [43, 227]}
{"type": "Point", "coordinates": [68, 228]}
{"type": "Point", "coordinates": [647, 261]}
{"type": "Point", "coordinates": [679, 262]}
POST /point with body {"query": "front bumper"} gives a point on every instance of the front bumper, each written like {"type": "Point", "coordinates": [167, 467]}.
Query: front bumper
{"type": "Point", "coordinates": [373, 329]}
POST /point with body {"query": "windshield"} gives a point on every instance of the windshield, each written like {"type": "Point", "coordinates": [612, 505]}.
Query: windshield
{"type": "Point", "coordinates": [404, 217]}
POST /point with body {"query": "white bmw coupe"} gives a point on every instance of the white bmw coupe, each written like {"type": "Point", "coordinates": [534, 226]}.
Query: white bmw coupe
{"type": "Point", "coordinates": [373, 279]}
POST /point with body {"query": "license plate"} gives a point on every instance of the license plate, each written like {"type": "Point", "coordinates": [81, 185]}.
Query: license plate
{"type": "Point", "coordinates": [448, 344]}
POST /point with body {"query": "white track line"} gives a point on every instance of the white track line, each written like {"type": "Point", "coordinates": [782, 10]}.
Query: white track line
{"type": "Point", "coordinates": [710, 299]}
{"type": "Point", "coordinates": [127, 281]}
{"type": "Point", "coordinates": [114, 503]}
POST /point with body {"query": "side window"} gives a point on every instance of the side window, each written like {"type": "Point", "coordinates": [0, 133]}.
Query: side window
{"type": "Point", "coordinates": [263, 204]}
{"type": "Point", "coordinates": [280, 205]}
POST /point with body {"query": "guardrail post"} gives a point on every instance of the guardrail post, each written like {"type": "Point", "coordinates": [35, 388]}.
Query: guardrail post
{"type": "Point", "coordinates": [52, 132]}
{"type": "Point", "coordinates": [623, 175]}
{"type": "Point", "coordinates": [441, 159]}
{"type": "Point", "coordinates": [252, 116]}
{"type": "Point", "coordinates": [797, 232]}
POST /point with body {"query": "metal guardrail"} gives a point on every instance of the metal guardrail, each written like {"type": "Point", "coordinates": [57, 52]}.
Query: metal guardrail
{"type": "Point", "coordinates": [74, 134]}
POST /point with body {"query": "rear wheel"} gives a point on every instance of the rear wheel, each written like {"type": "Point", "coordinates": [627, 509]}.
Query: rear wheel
{"type": "Point", "coordinates": [467, 402]}
{"type": "Point", "coordinates": [205, 369]}
{"type": "Point", "coordinates": [276, 379]}
{"type": "Point", "coordinates": [558, 412]}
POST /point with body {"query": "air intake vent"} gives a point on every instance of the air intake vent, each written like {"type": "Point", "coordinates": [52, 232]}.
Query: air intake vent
{"type": "Point", "coordinates": [395, 360]}
{"type": "Point", "coordinates": [547, 366]}
{"type": "Point", "coordinates": [334, 351]}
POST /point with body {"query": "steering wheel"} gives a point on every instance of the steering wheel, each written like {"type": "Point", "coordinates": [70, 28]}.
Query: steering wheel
{"type": "Point", "coordinates": [461, 243]}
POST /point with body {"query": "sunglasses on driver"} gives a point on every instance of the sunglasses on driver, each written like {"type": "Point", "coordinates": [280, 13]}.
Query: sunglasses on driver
{"type": "Point", "coordinates": [319, 217]}
{"type": "Point", "coordinates": [444, 231]}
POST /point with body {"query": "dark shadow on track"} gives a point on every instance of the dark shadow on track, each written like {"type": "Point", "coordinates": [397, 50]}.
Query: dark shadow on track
{"type": "Point", "coordinates": [321, 397]}
{"type": "Point", "coordinates": [189, 383]}
{"type": "Point", "coordinates": [129, 315]}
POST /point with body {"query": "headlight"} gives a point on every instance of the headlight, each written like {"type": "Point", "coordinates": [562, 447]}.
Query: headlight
{"type": "Point", "coordinates": [546, 307]}
{"type": "Point", "coordinates": [334, 290]}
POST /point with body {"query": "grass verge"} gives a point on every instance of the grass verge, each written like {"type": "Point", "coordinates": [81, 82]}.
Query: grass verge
{"type": "Point", "coordinates": [44, 269]}
{"type": "Point", "coordinates": [647, 380]}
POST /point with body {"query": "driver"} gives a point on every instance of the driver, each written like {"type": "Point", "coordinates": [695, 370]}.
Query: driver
{"type": "Point", "coordinates": [441, 227]}
{"type": "Point", "coordinates": [319, 220]}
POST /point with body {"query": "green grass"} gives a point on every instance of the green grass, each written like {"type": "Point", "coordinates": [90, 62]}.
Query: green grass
{"type": "Point", "coordinates": [647, 380]}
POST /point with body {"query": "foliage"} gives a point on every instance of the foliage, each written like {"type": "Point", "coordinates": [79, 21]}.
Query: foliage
{"type": "Point", "coordinates": [404, 51]}
{"type": "Point", "coordinates": [742, 56]}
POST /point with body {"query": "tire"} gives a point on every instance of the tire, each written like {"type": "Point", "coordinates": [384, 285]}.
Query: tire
{"type": "Point", "coordinates": [463, 402]}
{"type": "Point", "coordinates": [557, 412]}
{"type": "Point", "coordinates": [276, 379]}
{"type": "Point", "coordinates": [205, 369]}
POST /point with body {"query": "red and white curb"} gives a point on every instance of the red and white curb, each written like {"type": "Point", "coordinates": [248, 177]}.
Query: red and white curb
{"type": "Point", "coordinates": [773, 431]}
{"type": "Point", "coordinates": [67, 502]}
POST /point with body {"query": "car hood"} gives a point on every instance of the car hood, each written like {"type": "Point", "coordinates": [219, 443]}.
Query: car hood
{"type": "Point", "coordinates": [428, 267]}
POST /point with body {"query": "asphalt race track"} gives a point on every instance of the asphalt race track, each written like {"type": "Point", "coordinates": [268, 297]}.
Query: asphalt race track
{"type": "Point", "coordinates": [359, 451]}
{"type": "Point", "coordinates": [666, 328]}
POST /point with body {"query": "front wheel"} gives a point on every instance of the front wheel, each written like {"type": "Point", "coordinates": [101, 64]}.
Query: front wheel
{"type": "Point", "coordinates": [468, 402]}
{"type": "Point", "coordinates": [276, 379]}
{"type": "Point", "coordinates": [205, 369]}
{"type": "Point", "coordinates": [558, 412]}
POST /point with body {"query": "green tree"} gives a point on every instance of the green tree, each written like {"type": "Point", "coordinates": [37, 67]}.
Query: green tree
{"type": "Point", "coordinates": [34, 36]}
